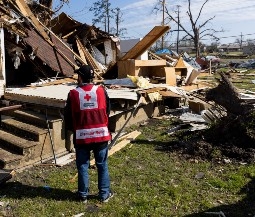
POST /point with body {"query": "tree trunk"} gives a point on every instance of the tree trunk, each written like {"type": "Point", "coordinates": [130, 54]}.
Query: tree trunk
{"type": "Point", "coordinates": [196, 42]}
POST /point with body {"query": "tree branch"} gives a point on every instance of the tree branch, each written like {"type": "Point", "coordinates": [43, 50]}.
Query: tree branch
{"type": "Point", "coordinates": [180, 25]}
{"type": "Point", "coordinates": [200, 11]}
{"type": "Point", "coordinates": [200, 26]}
{"type": "Point", "coordinates": [191, 17]}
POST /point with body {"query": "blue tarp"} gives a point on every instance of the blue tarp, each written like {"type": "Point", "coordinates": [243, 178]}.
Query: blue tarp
{"type": "Point", "coordinates": [164, 51]}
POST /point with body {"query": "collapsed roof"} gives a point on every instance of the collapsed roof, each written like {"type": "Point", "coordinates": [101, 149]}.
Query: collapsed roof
{"type": "Point", "coordinates": [31, 50]}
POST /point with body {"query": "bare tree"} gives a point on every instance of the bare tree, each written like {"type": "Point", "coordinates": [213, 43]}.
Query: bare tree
{"type": "Point", "coordinates": [199, 31]}
{"type": "Point", "coordinates": [118, 20]}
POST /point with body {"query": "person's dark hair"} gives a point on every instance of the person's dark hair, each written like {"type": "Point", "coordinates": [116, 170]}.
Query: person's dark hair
{"type": "Point", "coordinates": [86, 72]}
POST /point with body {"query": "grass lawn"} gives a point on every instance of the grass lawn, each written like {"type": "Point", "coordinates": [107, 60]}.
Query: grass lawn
{"type": "Point", "coordinates": [147, 180]}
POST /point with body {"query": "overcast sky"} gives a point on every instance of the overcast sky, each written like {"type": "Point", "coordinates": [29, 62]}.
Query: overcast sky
{"type": "Point", "coordinates": [235, 17]}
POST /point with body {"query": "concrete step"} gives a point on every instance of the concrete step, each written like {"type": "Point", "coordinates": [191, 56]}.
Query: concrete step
{"type": "Point", "coordinates": [25, 133]}
{"type": "Point", "coordinates": [21, 129]}
{"type": "Point", "coordinates": [9, 160]}
{"type": "Point", "coordinates": [33, 117]}
{"type": "Point", "coordinates": [10, 142]}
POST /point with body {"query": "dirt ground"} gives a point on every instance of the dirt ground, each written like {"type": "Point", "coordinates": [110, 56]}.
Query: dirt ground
{"type": "Point", "coordinates": [230, 141]}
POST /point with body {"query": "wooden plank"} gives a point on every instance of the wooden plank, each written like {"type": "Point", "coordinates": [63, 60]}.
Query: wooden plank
{"type": "Point", "coordinates": [70, 33]}
{"type": "Point", "coordinates": [122, 144]}
{"type": "Point", "coordinates": [90, 59]}
{"type": "Point", "coordinates": [180, 63]}
{"type": "Point", "coordinates": [56, 82]}
{"type": "Point", "coordinates": [154, 56]}
{"type": "Point", "coordinates": [170, 76]}
{"type": "Point", "coordinates": [25, 10]}
{"type": "Point", "coordinates": [146, 42]}
{"type": "Point", "coordinates": [150, 62]}
{"type": "Point", "coordinates": [169, 94]}
{"type": "Point", "coordinates": [152, 90]}
{"type": "Point", "coordinates": [192, 77]}
{"type": "Point", "coordinates": [81, 52]}
{"type": "Point", "coordinates": [138, 67]}
{"type": "Point", "coordinates": [126, 68]}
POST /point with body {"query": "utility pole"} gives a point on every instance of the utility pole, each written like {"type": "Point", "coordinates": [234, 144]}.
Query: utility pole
{"type": "Point", "coordinates": [241, 42]}
{"type": "Point", "coordinates": [163, 21]}
{"type": "Point", "coordinates": [178, 30]}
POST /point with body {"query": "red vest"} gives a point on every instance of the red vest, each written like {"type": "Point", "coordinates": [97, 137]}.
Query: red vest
{"type": "Point", "coordinates": [89, 115]}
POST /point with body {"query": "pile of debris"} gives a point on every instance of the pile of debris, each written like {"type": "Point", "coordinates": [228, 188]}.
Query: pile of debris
{"type": "Point", "coordinates": [231, 135]}
{"type": "Point", "coordinates": [37, 49]}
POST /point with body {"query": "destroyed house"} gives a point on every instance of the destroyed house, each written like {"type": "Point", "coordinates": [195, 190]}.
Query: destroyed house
{"type": "Point", "coordinates": [102, 46]}
{"type": "Point", "coordinates": [38, 59]}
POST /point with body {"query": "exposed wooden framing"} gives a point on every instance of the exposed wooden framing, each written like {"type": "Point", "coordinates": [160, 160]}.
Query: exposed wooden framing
{"type": "Point", "coordinates": [56, 82]}
{"type": "Point", "coordinates": [15, 29]}
{"type": "Point", "coordinates": [146, 42]}
{"type": "Point", "coordinates": [67, 35]}
{"type": "Point", "coordinates": [89, 58]}
{"type": "Point", "coordinates": [81, 50]}
{"type": "Point", "coordinates": [154, 56]}
{"type": "Point", "coordinates": [25, 10]}
{"type": "Point", "coordinates": [75, 54]}
{"type": "Point", "coordinates": [12, 107]}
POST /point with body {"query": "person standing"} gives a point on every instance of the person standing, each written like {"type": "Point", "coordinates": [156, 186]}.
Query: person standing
{"type": "Point", "coordinates": [86, 114]}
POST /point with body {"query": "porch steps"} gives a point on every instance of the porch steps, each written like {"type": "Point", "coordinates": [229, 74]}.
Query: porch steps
{"type": "Point", "coordinates": [26, 139]}
{"type": "Point", "coordinates": [32, 117]}
{"type": "Point", "coordinates": [9, 158]}
{"type": "Point", "coordinates": [9, 141]}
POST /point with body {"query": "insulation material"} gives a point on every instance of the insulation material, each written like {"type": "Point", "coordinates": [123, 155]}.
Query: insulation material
{"type": "Point", "coordinates": [155, 96]}
{"type": "Point", "coordinates": [143, 82]}
{"type": "Point", "coordinates": [108, 51]}
{"type": "Point", "coordinates": [140, 81]}
{"type": "Point", "coordinates": [105, 60]}
{"type": "Point", "coordinates": [98, 55]}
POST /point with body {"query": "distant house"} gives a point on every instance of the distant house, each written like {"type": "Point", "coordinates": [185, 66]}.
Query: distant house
{"type": "Point", "coordinates": [182, 49]}
{"type": "Point", "coordinates": [234, 47]}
